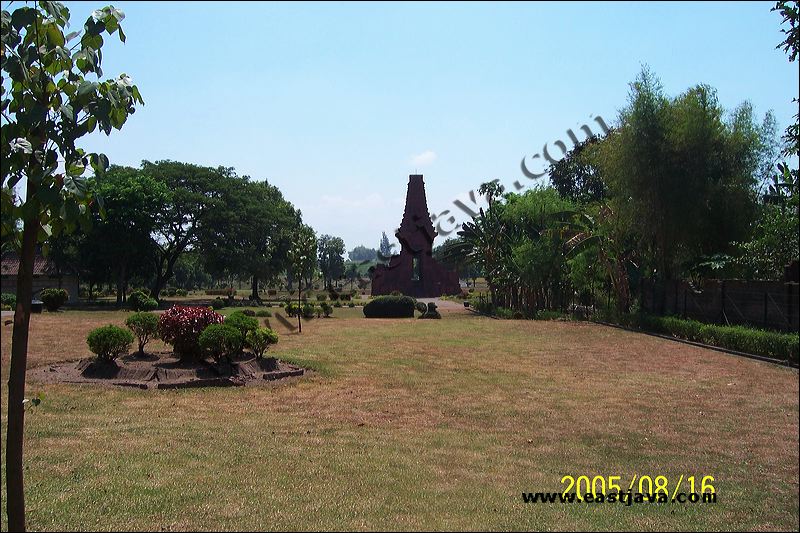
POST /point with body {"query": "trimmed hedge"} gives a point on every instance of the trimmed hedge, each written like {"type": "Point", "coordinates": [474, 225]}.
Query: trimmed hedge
{"type": "Point", "coordinates": [54, 298]}
{"type": "Point", "coordinates": [220, 341]}
{"type": "Point", "coordinates": [260, 339]}
{"type": "Point", "coordinates": [753, 341]}
{"type": "Point", "coordinates": [141, 301]}
{"type": "Point", "coordinates": [390, 307]}
{"type": "Point", "coordinates": [109, 342]}
{"type": "Point", "coordinates": [181, 326]}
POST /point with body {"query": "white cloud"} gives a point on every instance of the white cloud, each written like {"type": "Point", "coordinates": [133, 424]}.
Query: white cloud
{"type": "Point", "coordinates": [424, 159]}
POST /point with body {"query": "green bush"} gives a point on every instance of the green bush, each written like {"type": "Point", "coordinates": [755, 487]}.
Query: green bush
{"type": "Point", "coordinates": [308, 310]}
{"type": "Point", "coordinates": [241, 322]}
{"type": "Point", "coordinates": [260, 339]}
{"type": "Point", "coordinates": [144, 326]}
{"type": "Point", "coordinates": [351, 304]}
{"type": "Point", "coordinates": [337, 303]}
{"type": "Point", "coordinates": [217, 303]}
{"type": "Point", "coordinates": [248, 312]}
{"type": "Point", "coordinates": [9, 299]}
{"type": "Point", "coordinates": [140, 300]}
{"type": "Point", "coordinates": [421, 307]}
{"type": "Point", "coordinates": [171, 291]}
{"type": "Point", "coordinates": [263, 313]}
{"type": "Point", "coordinates": [109, 342]}
{"type": "Point", "coordinates": [327, 309]}
{"type": "Point", "coordinates": [220, 341]}
{"type": "Point", "coordinates": [54, 298]}
{"type": "Point", "coordinates": [321, 297]}
{"type": "Point", "coordinates": [738, 338]}
{"type": "Point", "coordinates": [390, 307]}
{"type": "Point", "coordinates": [182, 292]}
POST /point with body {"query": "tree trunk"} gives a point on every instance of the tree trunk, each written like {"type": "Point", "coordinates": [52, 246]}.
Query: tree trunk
{"type": "Point", "coordinates": [15, 494]}
{"type": "Point", "coordinates": [254, 293]}
{"type": "Point", "coordinates": [121, 283]}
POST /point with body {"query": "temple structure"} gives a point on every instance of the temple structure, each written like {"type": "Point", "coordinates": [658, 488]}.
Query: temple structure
{"type": "Point", "coordinates": [415, 272]}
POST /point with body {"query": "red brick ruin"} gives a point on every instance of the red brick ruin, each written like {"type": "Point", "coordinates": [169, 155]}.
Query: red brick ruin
{"type": "Point", "coordinates": [415, 272]}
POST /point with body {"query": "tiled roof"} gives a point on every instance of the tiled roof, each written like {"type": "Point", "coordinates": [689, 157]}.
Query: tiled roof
{"type": "Point", "coordinates": [10, 265]}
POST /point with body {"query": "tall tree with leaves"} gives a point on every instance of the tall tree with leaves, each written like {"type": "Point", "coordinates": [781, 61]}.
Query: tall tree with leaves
{"type": "Point", "coordinates": [303, 260]}
{"type": "Point", "coordinates": [331, 260]}
{"type": "Point", "coordinates": [54, 97]}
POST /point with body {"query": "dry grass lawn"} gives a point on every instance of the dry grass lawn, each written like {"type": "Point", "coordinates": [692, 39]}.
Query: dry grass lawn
{"type": "Point", "coordinates": [414, 424]}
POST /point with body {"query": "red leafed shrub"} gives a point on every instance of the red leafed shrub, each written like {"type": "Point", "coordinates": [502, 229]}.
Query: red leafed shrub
{"type": "Point", "coordinates": [181, 327]}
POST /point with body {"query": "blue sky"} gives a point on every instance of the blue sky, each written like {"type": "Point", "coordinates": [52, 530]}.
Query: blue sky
{"type": "Point", "coordinates": [337, 103]}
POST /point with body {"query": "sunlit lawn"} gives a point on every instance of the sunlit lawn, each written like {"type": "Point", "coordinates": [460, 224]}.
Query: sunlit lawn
{"type": "Point", "coordinates": [413, 424]}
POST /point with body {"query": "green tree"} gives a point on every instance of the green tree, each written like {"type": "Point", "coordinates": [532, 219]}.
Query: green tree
{"type": "Point", "coordinates": [51, 97]}
{"type": "Point", "coordinates": [249, 234]}
{"type": "Point", "coordinates": [303, 260]}
{"type": "Point", "coordinates": [331, 260]}
{"type": "Point", "coordinates": [384, 249]}
{"type": "Point", "coordinates": [362, 253]}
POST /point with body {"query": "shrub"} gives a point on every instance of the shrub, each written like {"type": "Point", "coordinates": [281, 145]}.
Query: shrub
{"type": "Point", "coordinates": [430, 311]}
{"type": "Point", "coordinates": [140, 300]}
{"type": "Point", "coordinates": [321, 297]}
{"type": "Point", "coordinates": [308, 310]}
{"type": "Point", "coordinates": [144, 326]}
{"type": "Point", "coordinates": [247, 312]}
{"type": "Point", "coordinates": [217, 303]}
{"type": "Point", "coordinates": [421, 307]}
{"type": "Point", "coordinates": [337, 304]}
{"type": "Point", "coordinates": [242, 322]}
{"type": "Point", "coordinates": [318, 311]}
{"type": "Point", "coordinates": [502, 312]}
{"type": "Point", "coordinates": [345, 297]}
{"type": "Point", "coordinates": [263, 313]}
{"type": "Point", "coordinates": [272, 292]}
{"type": "Point", "coordinates": [220, 341]}
{"type": "Point", "coordinates": [54, 298]}
{"type": "Point", "coordinates": [327, 309]}
{"type": "Point", "coordinates": [396, 293]}
{"type": "Point", "coordinates": [260, 339]}
{"type": "Point", "coordinates": [221, 292]}
{"type": "Point", "coordinates": [171, 291]}
{"type": "Point", "coordinates": [334, 295]}
{"type": "Point", "coordinates": [9, 299]}
{"type": "Point", "coordinates": [281, 304]}
{"type": "Point", "coordinates": [181, 326]}
{"type": "Point", "coordinates": [351, 304]}
{"type": "Point", "coordinates": [390, 307]}
{"type": "Point", "coordinates": [291, 309]}
{"type": "Point", "coordinates": [182, 292]}
{"type": "Point", "coordinates": [109, 342]}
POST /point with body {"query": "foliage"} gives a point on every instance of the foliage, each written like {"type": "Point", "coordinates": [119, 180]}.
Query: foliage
{"type": "Point", "coordinates": [220, 341]}
{"type": "Point", "coordinates": [384, 249]}
{"type": "Point", "coordinates": [109, 342]}
{"type": "Point", "coordinates": [739, 338]}
{"type": "Point", "coordinates": [390, 307]}
{"type": "Point", "coordinates": [48, 104]}
{"type": "Point", "coordinates": [773, 246]}
{"type": "Point", "coordinates": [139, 300]}
{"type": "Point", "coordinates": [9, 299]}
{"type": "Point", "coordinates": [430, 311]}
{"type": "Point", "coordinates": [259, 340]}
{"type": "Point", "coordinates": [144, 326]}
{"type": "Point", "coordinates": [327, 309]}
{"type": "Point", "coordinates": [181, 326]}
{"type": "Point", "coordinates": [217, 303]}
{"type": "Point", "coordinates": [576, 177]}
{"type": "Point", "coordinates": [362, 253]}
{"type": "Point", "coordinates": [241, 322]}
{"type": "Point", "coordinates": [331, 262]}
{"type": "Point", "coordinates": [53, 299]}
{"type": "Point", "coordinates": [263, 313]}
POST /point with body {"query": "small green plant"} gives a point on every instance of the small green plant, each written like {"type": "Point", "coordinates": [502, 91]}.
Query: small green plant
{"type": "Point", "coordinates": [260, 339]}
{"type": "Point", "coordinates": [217, 303]}
{"type": "Point", "coordinates": [220, 341]}
{"type": "Point", "coordinates": [337, 303]}
{"type": "Point", "coordinates": [248, 312]}
{"type": "Point", "coordinates": [327, 309]}
{"type": "Point", "coordinates": [140, 300]}
{"type": "Point", "coordinates": [182, 292]}
{"type": "Point", "coordinates": [9, 299]}
{"type": "Point", "coordinates": [54, 298]}
{"type": "Point", "coordinates": [321, 297]}
{"type": "Point", "coordinates": [262, 313]}
{"type": "Point", "coordinates": [242, 323]}
{"type": "Point", "coordinates": [144, 326]}
{"type": "Point", "coordinates": [351, 304]}
{"type": "Point", "coordinates": [109, 342]}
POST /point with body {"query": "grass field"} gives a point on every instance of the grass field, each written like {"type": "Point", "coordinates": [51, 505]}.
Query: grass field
{"type": "Point", "coordinates": [415, 424]}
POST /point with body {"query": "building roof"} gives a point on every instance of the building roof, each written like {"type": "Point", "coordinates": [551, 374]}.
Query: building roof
{"type": "Point", "coordinates": [42, 266]}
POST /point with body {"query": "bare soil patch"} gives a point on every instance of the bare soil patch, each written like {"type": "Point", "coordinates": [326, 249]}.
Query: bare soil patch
{"type": "Point", "coordinates": [165, 371]}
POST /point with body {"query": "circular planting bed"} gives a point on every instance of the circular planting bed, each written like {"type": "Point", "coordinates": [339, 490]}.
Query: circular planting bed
{"type": "Point", "coordinates": [165, 371]}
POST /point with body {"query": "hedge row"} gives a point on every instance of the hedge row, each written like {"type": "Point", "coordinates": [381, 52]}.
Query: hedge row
{"type": "Point", "coordinates": [771, 344]}
{"type": "Point", "coordinates": [390, 307]}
